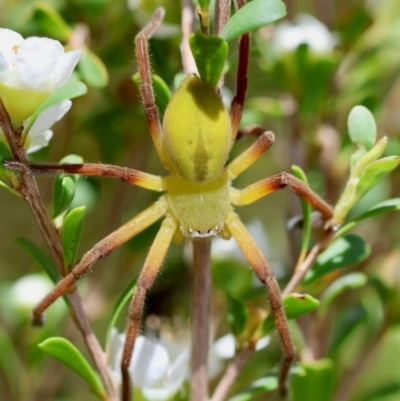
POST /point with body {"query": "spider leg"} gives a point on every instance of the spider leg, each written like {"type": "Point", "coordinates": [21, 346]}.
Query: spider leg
{"type": "Point", "coordinates": [146, 87]}
{"type": "Point", "coordinates": [146, 279]}
{"type": "Point", "coordinates": [237, 104]}
{"type": "Point", "coordinates": [264, 273]}
{"type": "Point", "coordinates": [135, 177]}
{"type": "Point", "coordinates": [270, 184]}
{"type": "Point", "coordinates": [100, 250]}
{"type": "Point", "coordinates": [250, 155]}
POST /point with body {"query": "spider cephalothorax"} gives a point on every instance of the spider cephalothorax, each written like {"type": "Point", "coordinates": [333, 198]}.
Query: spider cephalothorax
{"type": "Point", "coordinates": [198, 201]}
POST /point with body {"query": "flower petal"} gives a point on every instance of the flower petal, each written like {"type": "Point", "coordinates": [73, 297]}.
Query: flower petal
{"type": "Point", "coordinates": [225, 346]}
{"type": "Point", "coordinates": [149, 363]}
{"type": "Point", "coordinates": [177, 373]}
{"type": "Point", "coordinates": [9, 41]}
{"type": "Point", "coordinates": [46, 119]}
{"type": "Point", "coordinates": [40, 141]}
{"type": "Point", "coordinates": [36, 59]}
{"type": "Point", "coordinates": [63, 68]}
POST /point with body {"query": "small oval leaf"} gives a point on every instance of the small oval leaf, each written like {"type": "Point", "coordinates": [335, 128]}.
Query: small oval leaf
{"type": "Point", "coordinates": [374, 173]}
{"type": "Point", "coordinates": [260, 386]}
{"type": "Point", "coordinates": [51, 22]}
{"type": "Point", "coordinates": [45, 262]}
{"type": "Point", "coordinates": [210, 53]}
{"type": "Point", "coordinates": [306, 209]}
{"type": "Point", "coordinates": [162, 92]}
{"type": "Point", "coordinates": [69, 355]}
{"type": "Point", "coordinates": [122, 301]}
{"type": "Point", "coordinates": [71, 235]}
{"type": "Point", "coordinates": [389, 205]}
{"type": "Point", "coordinates": [314, 381]}
{"type": "Point", "coordinates": [64, 192]}
{"type": "Point", "coordinates": [344, 283]}
{"type": "Point", "coordinates": [294, 305]}
{"type": "Point", "coordinates": [92, 69]}
{"type": "Point", "coordinates": [253, 15]}
{"type": "Point", "coordinates": [362, 127]}
{"type": "Point", "coordinates": [343, 252]}
{"type": "Point", "coordinates": [237, 315]}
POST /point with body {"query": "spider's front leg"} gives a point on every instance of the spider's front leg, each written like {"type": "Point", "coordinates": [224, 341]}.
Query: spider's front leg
{"type": "Point", "coordinates": [266, 276]}
{"type": "Point", "coordinates": [135, 177]}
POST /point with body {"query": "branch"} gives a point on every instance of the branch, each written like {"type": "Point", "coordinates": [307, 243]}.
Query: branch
{"type": "Point", "coordinates": [231, 373]}
{"type": "Point", "coordinates": [189, 65]}
{"type": "Point", "coordinates": [30, 192]}
{"type": "Point", "coordinates": [200, 324]}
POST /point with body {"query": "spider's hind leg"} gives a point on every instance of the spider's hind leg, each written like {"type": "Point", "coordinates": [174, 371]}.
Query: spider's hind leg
{"type": "Point", "coordinates": [264, 273]}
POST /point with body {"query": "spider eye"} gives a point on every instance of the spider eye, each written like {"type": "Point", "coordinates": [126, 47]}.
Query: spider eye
{"type": "Point", "coordinates": [197, 131]}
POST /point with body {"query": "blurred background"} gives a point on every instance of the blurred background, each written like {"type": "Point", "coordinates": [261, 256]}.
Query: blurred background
{"type": "Point", "coordinates": [306, 73]}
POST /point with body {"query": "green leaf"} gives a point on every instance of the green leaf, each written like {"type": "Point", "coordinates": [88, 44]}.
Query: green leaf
{"type": "Point", "coordinates": [122, 300]}
{"type": "Point", "coordinates": [362, 127]}
{"type": "Point", "coordinates": [70, 90]}
{"type": "Point", "coordinates": [10, 364]}
{"type": "Point", "coordinates": [204, 4]}
{"type": "Point", "coordinates": [306, 209]}
{"type": "Point", "coordinates": [386, 206]}
{"type": "Point", "coordinates": [260, 386]}
{"type": "Point", "coordinates": [92, 69]}
{"type": "Point", "coordinates": [374, 173]}
{"type": "Point", "coordinates": [9, 189]}
{"type": "Point", "coordinates": [237, 315]}
{"type": "Point", "coordinates": [41, 258]}
{"type": "Point", "coordinates": [343, 252]}
{"type": "Point", "coordinates": [71, 235]}
{"type": "Point", "coordinates": [344, 283]}
{"type": "Point", "coordinates": [50, 22]}
{"type": "Point", "coordinates": [345, 325]}
{"type": "Point", "coordinates": [69, 355]}
{"type": "Point", "coordinates": [387, 391]}
{"type": "Point", "coordinates": [161, 90]}
{"type": "Point", "coordinates": [314, 382]}
{"type": "Point", "coordinates": [210, 53]}
{"type": "Point", "coordinates": [253, 15]}
{"type": "Point", "coordinates": [5, 154]}
{"type": "Point", "coordinates": [64, 192]}
{"type": "Point", "coordinates": [294, 305]}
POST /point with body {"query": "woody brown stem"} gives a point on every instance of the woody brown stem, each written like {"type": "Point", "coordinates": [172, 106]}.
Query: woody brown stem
{"type": "Point", "coordinates": [200, 323]}
{"type": "Point", "coordinates": [30, 192]}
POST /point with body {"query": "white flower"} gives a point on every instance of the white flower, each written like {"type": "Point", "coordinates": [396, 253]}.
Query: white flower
{"type": "Point", "coordinates": [153, 369]}
{"type": "Point", "coordinates": [305, 29]}
{"type": "Point", "coordinates": [40, 133]}
{"type": "Point", "coordinates": [30, 70]}
{"type": "Point", "coordinates": [29, 290]}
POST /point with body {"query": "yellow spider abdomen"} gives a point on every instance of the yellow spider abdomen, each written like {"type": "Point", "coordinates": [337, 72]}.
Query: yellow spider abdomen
{"type": "Point", "coordinates": [197, 131]}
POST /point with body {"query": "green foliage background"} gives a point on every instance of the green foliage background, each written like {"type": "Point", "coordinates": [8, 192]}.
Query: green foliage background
{"type": "Point", "coordinates": [359, 332]}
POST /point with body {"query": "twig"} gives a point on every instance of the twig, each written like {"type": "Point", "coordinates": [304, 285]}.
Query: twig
{"type": "Point", "coordinates": [200, 324]}
{"type": "Point", "coordinates": [222, 13]}
{"type": "Point", "coordinates": [189, 65]}
{"type": "Point", "coordinates": [30, 192]}
{"type": "Point", "coordinates": [308, 263]}
{"type": "Point", "coordinates": [231, 373]}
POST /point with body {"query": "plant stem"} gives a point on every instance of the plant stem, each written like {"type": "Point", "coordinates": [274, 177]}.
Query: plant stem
{"type": "Point", "coordinates": [308, 262]}
{"type": "Point", "coordinates": [189, 65]}
{"type": "Point", "coordinates": [231, 373]}
{"type": "Point", "coordinates": [30, 192]}
{"type": "Point", "coordinates": [200, 324]}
